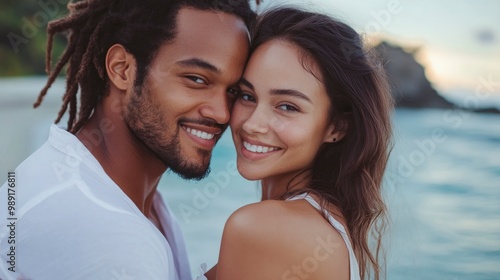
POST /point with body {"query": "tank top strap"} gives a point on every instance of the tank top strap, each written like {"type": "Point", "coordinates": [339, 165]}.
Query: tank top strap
{"type": "Point", "coordinates": [353, 263]}
{"type": "Point", "coordinates": [338, 226]}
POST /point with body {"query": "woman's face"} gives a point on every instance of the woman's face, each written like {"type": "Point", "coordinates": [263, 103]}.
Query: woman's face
{"type": "Point", "coordinates": [280, 119]}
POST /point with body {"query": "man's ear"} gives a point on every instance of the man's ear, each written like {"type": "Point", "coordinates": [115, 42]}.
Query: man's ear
{"type": "Point", "coordinates": [120, 67]}
{"type": "Point", "coordinates": [335, 132]}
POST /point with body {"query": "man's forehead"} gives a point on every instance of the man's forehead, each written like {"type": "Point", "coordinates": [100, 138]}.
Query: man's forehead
{"type": "Point", "coordinates": [211, 40]}
{"type": "Point", "coordinates": [192, 20]}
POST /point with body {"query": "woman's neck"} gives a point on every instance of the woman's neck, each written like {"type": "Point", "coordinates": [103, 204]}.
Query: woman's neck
{"type": "Point", "coordinates": [276, 186]}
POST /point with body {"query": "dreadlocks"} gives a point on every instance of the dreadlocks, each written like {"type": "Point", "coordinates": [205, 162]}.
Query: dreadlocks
{"type": "Point", "coordinates": [93, 26]}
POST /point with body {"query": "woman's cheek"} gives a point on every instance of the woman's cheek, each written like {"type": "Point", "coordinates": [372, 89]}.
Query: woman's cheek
{"type": "Point", "coordinates": [237, 116]}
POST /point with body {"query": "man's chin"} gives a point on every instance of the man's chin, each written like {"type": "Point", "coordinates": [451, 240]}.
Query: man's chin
{"type": "Point", "coordinates": [193, 170]}
{"type": "Point", "coordinates": [191, 173]}
{"type": "Point", "coordinates": [189, 166]}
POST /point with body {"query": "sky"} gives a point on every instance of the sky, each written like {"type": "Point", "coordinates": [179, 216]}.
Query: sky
{"type": "Point", "coordinates": [458, 41]}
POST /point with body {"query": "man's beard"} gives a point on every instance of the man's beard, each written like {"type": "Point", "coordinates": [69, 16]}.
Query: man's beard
{"type": "Point", "coordinates": [172, 157]}
{"type": "Point", "coordinates": [146, 121]}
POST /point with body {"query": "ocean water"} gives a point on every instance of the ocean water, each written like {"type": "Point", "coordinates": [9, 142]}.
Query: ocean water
{"type": "Point", "coordinates": [445, 204]}
{"type": "Point", "coordinates": [442, 187]}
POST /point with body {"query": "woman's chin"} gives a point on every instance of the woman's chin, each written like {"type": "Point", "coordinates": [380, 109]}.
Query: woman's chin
{"type": "Point", "coordinates": [251, 175]}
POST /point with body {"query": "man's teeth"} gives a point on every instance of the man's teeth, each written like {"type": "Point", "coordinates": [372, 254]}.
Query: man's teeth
{"type": "Point", "coordinates": [200, 134]}
{"type": "Point", "coordinates": [258, 149]}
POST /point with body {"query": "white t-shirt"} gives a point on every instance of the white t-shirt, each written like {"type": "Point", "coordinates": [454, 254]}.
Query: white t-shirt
{"type": "Point", "coordinates": [71, 221]}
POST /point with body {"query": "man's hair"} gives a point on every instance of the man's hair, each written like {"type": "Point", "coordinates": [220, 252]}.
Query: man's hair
{"type": "Point", "coordinates": [93, 26]}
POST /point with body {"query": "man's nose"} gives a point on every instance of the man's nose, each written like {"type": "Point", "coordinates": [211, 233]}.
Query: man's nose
{"type": "Point", "coordinates": [217, 108]}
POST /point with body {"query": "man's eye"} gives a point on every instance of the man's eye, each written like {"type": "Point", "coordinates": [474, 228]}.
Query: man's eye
{"type": "Point", "coordinates": [197, 80]}
{"type": "Point", "coordinates": [233, 91]}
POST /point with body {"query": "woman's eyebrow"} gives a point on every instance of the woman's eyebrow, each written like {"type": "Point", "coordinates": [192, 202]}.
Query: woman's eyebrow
{"type": "Point", "coordinates": [246, 83]}
{"type": "Point", "coordinates": [290, 92]}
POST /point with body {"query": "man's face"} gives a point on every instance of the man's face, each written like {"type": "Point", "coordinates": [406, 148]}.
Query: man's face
{"type": "Point", "coordinates": [183, 107]}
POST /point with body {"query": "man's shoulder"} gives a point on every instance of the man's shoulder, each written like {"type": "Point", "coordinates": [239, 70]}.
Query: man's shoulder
{"type": "Point", "coordinates": [87, 234]}
{"type": "Point", "coordinates": [61, 153]}
{"type": "Point", "coordinates": [100, 255]}
{"type": "Point", "coordinates": [74, 208]}
{"type": "Point", "coordinates": [75, 233]}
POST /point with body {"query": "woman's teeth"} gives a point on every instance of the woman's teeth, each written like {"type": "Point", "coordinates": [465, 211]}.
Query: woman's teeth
{"type": "Point", "coordinates": [258, 149]}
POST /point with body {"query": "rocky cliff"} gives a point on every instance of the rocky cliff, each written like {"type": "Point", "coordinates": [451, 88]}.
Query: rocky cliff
{"type": "Point", "coordinates": [409, 85]}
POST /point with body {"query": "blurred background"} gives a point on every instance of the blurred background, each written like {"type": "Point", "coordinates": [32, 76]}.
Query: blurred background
{"type": "Point", "coordinates": [443, 181]}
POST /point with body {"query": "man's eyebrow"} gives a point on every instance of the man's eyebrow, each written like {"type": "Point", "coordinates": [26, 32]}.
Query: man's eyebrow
{"type": "Point", "coordinates": [199, 63]}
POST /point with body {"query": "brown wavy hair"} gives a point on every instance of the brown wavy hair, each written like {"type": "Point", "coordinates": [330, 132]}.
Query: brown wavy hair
{"type": "Point", "coordinates": [93, 26]}
{"type": "Point", "coordinates": [347, 173]}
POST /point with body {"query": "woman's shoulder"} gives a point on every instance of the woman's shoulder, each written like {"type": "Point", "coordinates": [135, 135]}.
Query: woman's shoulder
{"type": "Point", "coordinates": [286, 233]}
{"type": "Point", "coordinates": [265, 212]}
{"type": "Point", "coordinates": [277, 216]}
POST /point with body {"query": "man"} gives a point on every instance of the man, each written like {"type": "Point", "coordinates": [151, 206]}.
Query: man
{"type": "Point", "coordinates": [156, 80]}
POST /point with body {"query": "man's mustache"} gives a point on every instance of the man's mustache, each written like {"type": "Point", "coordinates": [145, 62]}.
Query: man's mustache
{"type": "Point", "coordinates": [205, 122]}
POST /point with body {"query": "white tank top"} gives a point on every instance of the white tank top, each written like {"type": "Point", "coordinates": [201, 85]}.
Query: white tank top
{"type": "Point", "coordinates": [353, 263]}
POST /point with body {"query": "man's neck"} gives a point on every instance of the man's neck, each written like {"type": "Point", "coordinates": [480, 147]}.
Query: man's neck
{"type": "Point", "coordinates": [126, 160]}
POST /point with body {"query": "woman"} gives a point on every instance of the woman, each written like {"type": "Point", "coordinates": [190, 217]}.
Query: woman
{"type": "Point", "coordinates": [312, 123]}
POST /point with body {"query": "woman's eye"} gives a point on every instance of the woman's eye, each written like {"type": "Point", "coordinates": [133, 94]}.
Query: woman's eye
{"type": "Point", "coordinates": [288, 108]}
{"type": "Point", "coordinates": [197, 80]}
{"type": "Point", "coordinates": [247, 97]}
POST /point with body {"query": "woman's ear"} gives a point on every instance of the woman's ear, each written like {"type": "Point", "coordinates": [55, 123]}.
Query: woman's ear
{"type": "Point", "coordinates": [120, 67]}
{"type": "Point", "coordinates": [335, 132]}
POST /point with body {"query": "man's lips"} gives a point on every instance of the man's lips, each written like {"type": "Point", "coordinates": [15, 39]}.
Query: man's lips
{"type": "Point", "coordinates": [202, 131]}
{"type": "Point", "coordinates": [199, 133]}
{"type": "Point", "coordinates": [203, 135]}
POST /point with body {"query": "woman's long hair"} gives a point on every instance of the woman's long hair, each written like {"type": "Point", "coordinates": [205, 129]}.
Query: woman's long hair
{"type": "Point", "coordinates": [347, 173]}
